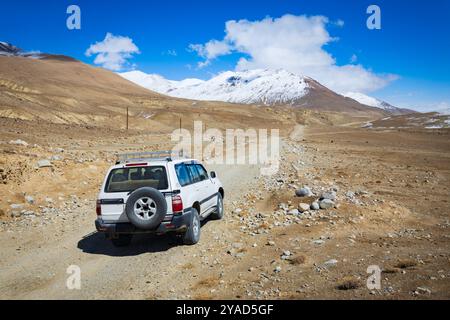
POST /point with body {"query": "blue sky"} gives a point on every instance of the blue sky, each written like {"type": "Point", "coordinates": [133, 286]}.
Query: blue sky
{"type": "Point", "coordinates": [413, 43]}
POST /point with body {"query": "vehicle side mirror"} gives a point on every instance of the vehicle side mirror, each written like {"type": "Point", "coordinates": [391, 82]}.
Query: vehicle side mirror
{"type": "Point", "coordinates": [213, 174]}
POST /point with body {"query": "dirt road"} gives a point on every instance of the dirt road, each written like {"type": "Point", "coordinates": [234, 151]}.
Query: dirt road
{"type": "Point", "coordinates": [34, 261]}
{"type": "Point", "coordinates": [392, 211]}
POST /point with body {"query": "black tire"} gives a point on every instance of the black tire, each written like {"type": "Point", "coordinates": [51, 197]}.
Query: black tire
{"type": "Point", "coordinates": [192, 234]}
{"type": "Point", "coordinates": [122, 240]}
{"type": "Point", "coordinates": [218, 213]}
{"type": "Point", "coordinates": [152, 205]}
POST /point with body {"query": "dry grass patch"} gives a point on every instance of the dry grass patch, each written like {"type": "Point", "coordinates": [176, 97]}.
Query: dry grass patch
{"type": "Point", "coordinates": [405, 264]}
{"type": "Point", "coordinates": [297, 260]}
{"type": "Point", "coordinates": [241, 250]}
{"type": "Point", "coordinates": [188, 266]}
{"type": "Point", "coordinates": [348, 283]}
{"type": "Point", "coordinates": [207, 283]}
{"type": "Point", "coordinates": [390, 270]}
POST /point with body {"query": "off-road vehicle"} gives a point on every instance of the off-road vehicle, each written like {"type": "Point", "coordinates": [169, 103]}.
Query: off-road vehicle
{"type": "Point", "coordinates": [153, 192]}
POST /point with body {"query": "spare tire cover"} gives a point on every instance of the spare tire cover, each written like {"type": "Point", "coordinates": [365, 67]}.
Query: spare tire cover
{"type": "Point", "coordinates": [146, 208]}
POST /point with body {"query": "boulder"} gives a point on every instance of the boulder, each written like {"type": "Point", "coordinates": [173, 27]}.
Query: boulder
{"type": "Point", "coordinates": [326, 204]}
{"type": "Point", "coordinates": [303, 192]}
{"type": "Point", "coordinates": [302, 207]}
{"type": "Point", "coordinates": [330, 195]}
{"type": "Point", "coordinates": [315, 206]}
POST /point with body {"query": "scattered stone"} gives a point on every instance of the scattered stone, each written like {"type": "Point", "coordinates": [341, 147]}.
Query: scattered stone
{"type": "Point", "coordinates": [326, 204]}
{"type": "Point", "coordinates": [15, 214]}
{"type": "Point", "coordinates": [270, 243]}
{"type": "Point", "coordinates": [293, 212]}
{"type": "Point", "coordinates": [350, 194]}
{"type": "Point", "coordinates": [277, 269]}
{"type": "Point", "coordinates": [237, 245]}
{"type": "Point", "coordinates": [315, 206]}
{"type": "Point", "coordinates": [19, 142]}
{"type": "Point", "coordinates": [29, 199]}
{"type": "Point", "coordinates": [318, 242]}
{"type": "Point", "coordinates": [302, 207]}
{"type": "Point", "coordinates": [330, 195]}
{"type": "Point", "coordinates": [330, 263]}
{"type": "Point", "coordinates": [286, 253]}
{"type": "Point", "coordinates": [303, 192]}
{"type": "Point", "coordinates": [16, 206]}
{"type": "Point", "coordinates": [44, 163]}
{"type": "Point", "coordinates": [422, 290]}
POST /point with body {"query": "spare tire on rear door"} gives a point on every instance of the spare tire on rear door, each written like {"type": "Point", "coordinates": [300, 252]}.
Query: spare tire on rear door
{"type": "Point", "coordinates": [146, 208]}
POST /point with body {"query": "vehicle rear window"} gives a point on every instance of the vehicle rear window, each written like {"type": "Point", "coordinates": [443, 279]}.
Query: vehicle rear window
{"type": "Point", "coordinates": [130, 179]}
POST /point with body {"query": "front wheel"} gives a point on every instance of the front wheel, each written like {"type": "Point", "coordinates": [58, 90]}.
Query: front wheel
{"type": "Point", "coordinates": [218, 213]}
{"type": "Point", "coordinates": [192, 234]}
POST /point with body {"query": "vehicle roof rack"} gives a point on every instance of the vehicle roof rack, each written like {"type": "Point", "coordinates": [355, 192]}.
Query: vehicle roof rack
{"type": "Point", "coordinates": [149, 156]}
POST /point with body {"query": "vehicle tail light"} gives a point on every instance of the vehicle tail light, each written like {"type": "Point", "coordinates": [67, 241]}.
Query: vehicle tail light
{"type": "Point", "coordinates": [177, 204]}
{"type": "Point", "coordinates": [98, 208]}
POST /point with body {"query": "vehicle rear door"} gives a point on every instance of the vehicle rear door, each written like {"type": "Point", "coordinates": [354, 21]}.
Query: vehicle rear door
{"type": "Point", "coordinates": [198, 186]}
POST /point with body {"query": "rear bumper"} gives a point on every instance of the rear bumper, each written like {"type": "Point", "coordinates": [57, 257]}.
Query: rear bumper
{"type": "Point", "coordinates": [178, 223]}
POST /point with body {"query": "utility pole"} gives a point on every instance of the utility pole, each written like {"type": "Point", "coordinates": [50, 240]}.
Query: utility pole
{"type": "Point", "coordinates": [127, 118]}
{"type": "Point", "coordinates": [180, 124]}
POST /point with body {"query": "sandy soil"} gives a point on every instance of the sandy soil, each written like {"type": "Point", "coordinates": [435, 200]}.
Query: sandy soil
{"type": "Point", "coordinates": [397, 219]}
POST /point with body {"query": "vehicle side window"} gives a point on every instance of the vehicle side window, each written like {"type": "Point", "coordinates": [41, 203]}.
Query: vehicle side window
{"type": "Point", "coordinates": [202, 172]}
{"type": "Point", "coordinates": [183, 174]}
{"type": "Point", "coordinates": [194, 173]}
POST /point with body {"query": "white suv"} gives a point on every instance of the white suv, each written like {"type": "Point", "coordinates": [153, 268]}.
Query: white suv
{"type": "Point", "coordinates": [153, 192]}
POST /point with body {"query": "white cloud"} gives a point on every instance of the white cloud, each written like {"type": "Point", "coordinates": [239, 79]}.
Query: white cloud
{"type": "Point", "coordinates": [441, 107]}
{"type": "Point", "coordinates": [113, 52]}
{"type": "Point", "coordinates": [353, 58]}
{"type": "Point", "coordinates": [294, 43]}
{"type": "Point", "coordinates": [340, 23]}
{"type": "Point", "coordinates": [211, 50]}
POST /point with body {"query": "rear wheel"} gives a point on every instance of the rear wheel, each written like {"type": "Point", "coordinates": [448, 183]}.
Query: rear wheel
{"type": "Point", "coordinates": [146, 208]}
{"type": "Point", "coordinates": [218, 214]}
{"type": "Point", "coordinates": [192, 234]}
{"type": "Point", "coordinates": [122, 240]}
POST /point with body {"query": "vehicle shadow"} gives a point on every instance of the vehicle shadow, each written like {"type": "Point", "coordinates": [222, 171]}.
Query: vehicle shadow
{"type": "Point", "coordinates": [96, 243]}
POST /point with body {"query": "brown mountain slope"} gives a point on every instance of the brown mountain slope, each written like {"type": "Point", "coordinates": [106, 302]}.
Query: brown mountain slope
{"type": "Point", "coordinates": [321, 98]}
{"type": "Point", "coordinates": [59, 89]}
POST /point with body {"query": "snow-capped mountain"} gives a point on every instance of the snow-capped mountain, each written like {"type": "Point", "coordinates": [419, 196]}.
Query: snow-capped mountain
{"type": "Point", "coordinates": [261, 86]}
{"type": "Point", "coordinates": [9, 50]}
{"type": "Point", "coordinates": [254, 86]}
{"type": "Point", "coordinates": [374, 102]}
{"type": "Point", "coordinates": [158, 83]}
